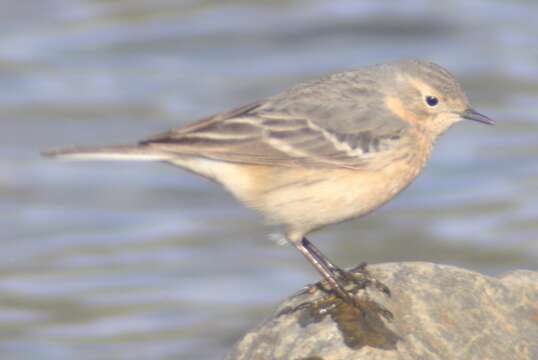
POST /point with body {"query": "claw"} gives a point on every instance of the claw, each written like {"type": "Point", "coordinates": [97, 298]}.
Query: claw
{"type": "Point", "coordinates": [360, 276]}
{"type": "Point", "coordinates": [383, 288]}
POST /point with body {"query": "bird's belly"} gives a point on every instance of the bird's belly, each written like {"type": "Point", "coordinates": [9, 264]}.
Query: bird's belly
{"type": "Point", "coordinates": [302, 198]}
{"type": "Point", "coordinates": [308, 199]}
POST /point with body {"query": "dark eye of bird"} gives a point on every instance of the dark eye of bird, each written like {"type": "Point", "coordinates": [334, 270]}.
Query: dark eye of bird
{"type": "Point", "coordinates": [432, 100]}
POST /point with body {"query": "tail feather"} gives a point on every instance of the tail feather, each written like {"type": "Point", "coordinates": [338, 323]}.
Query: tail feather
{"type": "Point", "coordinates": [118, 152]}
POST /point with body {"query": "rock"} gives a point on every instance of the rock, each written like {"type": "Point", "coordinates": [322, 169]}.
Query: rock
{"type": "Point", "coordinates": [440, 312]}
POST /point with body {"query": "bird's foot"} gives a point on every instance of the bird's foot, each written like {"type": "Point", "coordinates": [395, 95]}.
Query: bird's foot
{"type": "Point", "coordinates": [349, 284]}
{"type": "Point", "coordinates": [362, 279]}
{"type": "Point", "coordinates": [352, 303]}
{"type": "Point", "coordinates": [340, 284]}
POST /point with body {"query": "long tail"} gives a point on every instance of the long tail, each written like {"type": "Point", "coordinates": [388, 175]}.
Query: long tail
{"type": "Point", "coordinates": [118, 152]}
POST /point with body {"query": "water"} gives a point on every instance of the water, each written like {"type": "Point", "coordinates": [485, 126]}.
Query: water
{"type": "Point", "coordinates": [143, 261]}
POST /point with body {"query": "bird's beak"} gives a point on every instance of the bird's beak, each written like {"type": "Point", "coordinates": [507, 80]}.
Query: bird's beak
{"type": "Point", "coordinates": [471, 114]}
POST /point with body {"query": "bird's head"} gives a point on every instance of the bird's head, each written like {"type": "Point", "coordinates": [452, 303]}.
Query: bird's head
{"type": "Point", "coordinates": [427, 96]}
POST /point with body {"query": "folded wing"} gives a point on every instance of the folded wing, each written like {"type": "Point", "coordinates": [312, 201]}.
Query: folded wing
{"type": "Point", "coordinates": [259, 134]}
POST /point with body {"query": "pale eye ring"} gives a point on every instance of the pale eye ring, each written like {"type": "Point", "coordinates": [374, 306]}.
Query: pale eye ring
{"type": "Point", "coordinates": [432, 101]}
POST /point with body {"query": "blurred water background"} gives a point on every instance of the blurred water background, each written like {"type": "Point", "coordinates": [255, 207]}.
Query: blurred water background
{"type": "Point", "coordinates": [144, 261]}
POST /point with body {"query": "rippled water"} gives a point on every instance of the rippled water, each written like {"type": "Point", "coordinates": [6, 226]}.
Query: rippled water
{"type": "Point", "coordinates": [143, 261]}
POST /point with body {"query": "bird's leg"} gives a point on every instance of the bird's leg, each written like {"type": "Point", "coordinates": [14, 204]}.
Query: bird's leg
{"type": "Point", "coordinates": [314, 250]}
{"type": "Point", "coordinates": [358, 276]}
{"type": "Point", "coordinates": [325, 268]}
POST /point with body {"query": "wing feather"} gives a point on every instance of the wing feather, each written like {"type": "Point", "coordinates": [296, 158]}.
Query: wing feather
{"type": "Point", "coordinates": [258, 134]}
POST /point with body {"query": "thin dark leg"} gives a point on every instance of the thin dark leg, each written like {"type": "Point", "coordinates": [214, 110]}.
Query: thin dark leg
{"type": "Point", "coordinates": [314, 250]}
{"type": "Point", "coordinates": [324, 267]}
{"type": "Point", "coordinates": [360, 276]}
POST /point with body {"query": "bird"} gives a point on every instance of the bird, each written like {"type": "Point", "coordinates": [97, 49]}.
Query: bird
{"type": "Point", "coordinates": [322, 152]}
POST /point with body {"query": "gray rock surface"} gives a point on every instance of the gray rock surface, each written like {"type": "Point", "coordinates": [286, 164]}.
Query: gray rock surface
{"type": "Point", "coordinates": [440, 312]}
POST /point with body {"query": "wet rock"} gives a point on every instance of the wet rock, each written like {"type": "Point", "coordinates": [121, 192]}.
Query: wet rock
{"type": "Point", "coordinates": [439, 312]}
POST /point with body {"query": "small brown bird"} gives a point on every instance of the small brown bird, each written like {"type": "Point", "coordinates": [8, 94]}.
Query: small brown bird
{"type": "Point", "coordinates": [320, 153]}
